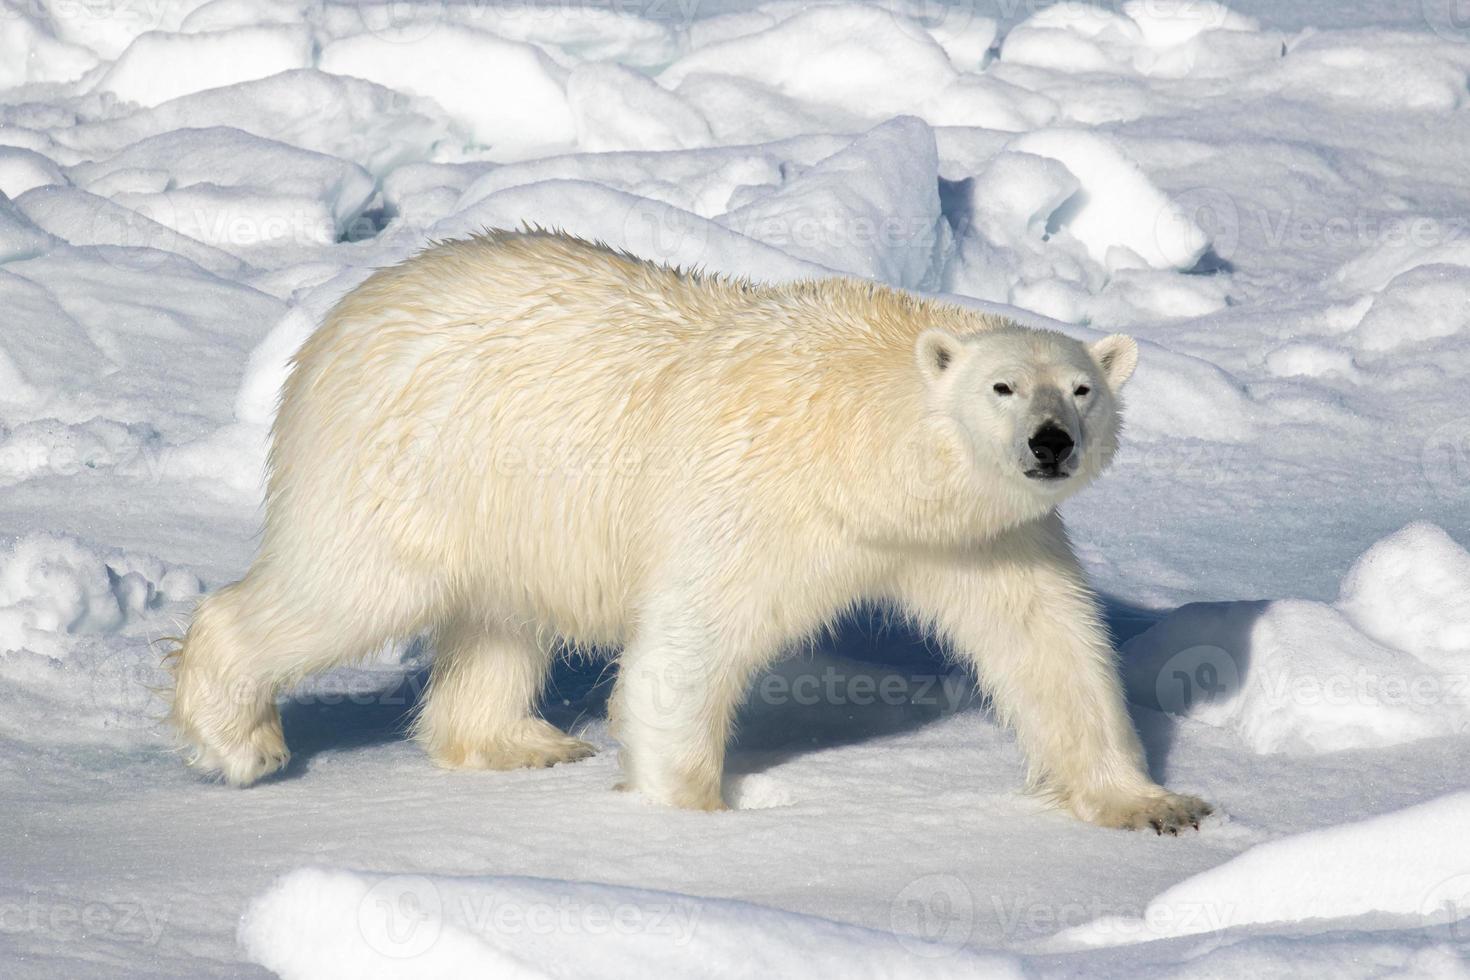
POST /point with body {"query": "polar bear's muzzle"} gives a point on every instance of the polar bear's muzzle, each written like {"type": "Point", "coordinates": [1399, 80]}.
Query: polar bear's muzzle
{"type": "Point", "coordinates": [1051, 449]}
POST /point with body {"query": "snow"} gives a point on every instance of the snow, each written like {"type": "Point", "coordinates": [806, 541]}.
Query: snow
{"type": "Point", "coordinates": [854, 59]}
{"type": "Point", "coordinates": [1388, 663]}
{"type": "Point", "coordinates": [1116, 212]}
{"type": "Point", "coordinates": [1270, 197]}
{"type": "Point", "coordinates": [234, 191]}
{"type": "Point", "coordinates": [457, 67]}
{"type": "Point", "coordinates": [870, 210]}
{"type": "Point", "coordinates": [51, 585]}
{"type": "Point", "coordinates": [1411, 592]}
{"type": "Point", "coordinates": [617, 108]}
{"type": "Point", "coordinates": [1158, 38]}
{"type": "Point", "coordinates": [321, 923]}
{"type": "Point", "coordinates": [158, 66]}
{"type": "Point", "coordinates": [22, 169]}
{"type": "Point", "coordinates": [31, 53]}
{"type": "Point", "coordinates": [1412, 863]}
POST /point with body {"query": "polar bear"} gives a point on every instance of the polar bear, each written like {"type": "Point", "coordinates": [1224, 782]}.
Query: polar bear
{"type": "Point", "coordinates": [523, 441]}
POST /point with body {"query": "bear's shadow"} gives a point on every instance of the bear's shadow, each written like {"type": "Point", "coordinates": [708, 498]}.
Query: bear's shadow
{"type": "Point", "coordinates": [885, 679]}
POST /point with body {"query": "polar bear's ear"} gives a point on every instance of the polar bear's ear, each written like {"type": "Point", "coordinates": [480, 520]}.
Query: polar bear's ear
{"type": "Point", "coordinates": [937, 352]}
{"type": "Point", "coordinates": [1117, 355]}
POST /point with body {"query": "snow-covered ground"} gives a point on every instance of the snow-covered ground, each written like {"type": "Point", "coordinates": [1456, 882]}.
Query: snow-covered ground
{"type": "Point", "coordinates": [1274, 198]}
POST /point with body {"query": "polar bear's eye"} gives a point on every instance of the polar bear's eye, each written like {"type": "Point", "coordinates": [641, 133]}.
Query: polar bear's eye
{"type": "Point", "coordinates": [1081, 390]}
{"type": "Point", "coordinates": [1003, 389]}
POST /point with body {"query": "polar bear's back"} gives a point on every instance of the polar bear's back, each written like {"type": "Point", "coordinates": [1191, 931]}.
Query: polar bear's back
{"type": "Point", "coordinates": [529, 408]}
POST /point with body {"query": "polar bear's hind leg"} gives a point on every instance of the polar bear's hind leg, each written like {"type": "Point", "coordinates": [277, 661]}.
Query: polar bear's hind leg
{"type": "Point", "coordinates": [479, 709]}
{"type": "Point", "coordinates": [252, 640]}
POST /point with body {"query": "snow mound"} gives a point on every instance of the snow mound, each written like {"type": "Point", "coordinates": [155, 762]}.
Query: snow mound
{"type": "Point", "coordinates": [50, 447]}
{"type": "Point", "coordinates": [1174, 396]}
{"type": "Point", "coordinates": [233, 190]}
{"type": "Point", "coordinates": [1412, 863]}
{"type": "Point", "coordinates": [372, 126]}
{"type": "Point", "coordinates": [617, 108]}
{"type": "Point", "coordinates": [1429, 242]}
{"type": "Point", "coordinates": [569, 35]}
{"type": "Point", "coordinates": [1419, 306]}
{"type": "Point", "coordinates": [79, 218]}
{"type": "Point", "coordinates": [54, 584]}
{"type": "Point", "coordinates": [323, 923]}
{"type": "Point", "coordinates": [1017, 194]}
{"type": "Point", "coordinates": [157, 66]}
{"type": "Point", "coordinates": [705, 182]}
{"type": "Point", "coordinates": [1118, 213]}
{"type": "Point", "coordinates": [1158, 38]}
{"type": "Point", "coordinates": [463, 69]}
{"type": "Point", "coordinates": [987, 102]}
{"type": "Point", "coordinates": [1411, 591]}
{"type": "Point", "coordinates": [1062, 223]}
{"type": "Point", "coordinates": [871, 210]}
{"type": "Point", "coordinates": [31, 53]}
{"type": "Point", "coordinates": [19, 236]}
{"type": "Point", "coordinates": [22, 169]}
{"type": "Point", "coordinates": [1395, 72]}
{"type": "Point", "coordinates": [108, 30]}
{"type": "Point", "coordinates": [646, 228]}
{"type": "Point", "coordinates": [1389, 663]}
{"type": "Point", "coordinates": [858, 59]}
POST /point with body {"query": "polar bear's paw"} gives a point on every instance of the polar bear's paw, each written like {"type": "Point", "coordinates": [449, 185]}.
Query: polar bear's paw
{"type": "Point", "coordinates": [1162, 812]}
{"type": "Point", "coordinates": [530, 744]}
{"type": "Point", "coordinates": [696, 789]}
{"type": "Point", "coordinates": [241, 761]}
{"type": "Point", "coordinates": [227, 729]}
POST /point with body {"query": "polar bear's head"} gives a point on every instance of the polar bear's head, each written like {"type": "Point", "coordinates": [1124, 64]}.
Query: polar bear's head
{"type": "Point", "coordinates": [1039, 410]}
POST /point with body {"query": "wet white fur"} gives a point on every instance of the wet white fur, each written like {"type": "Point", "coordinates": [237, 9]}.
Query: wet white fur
{"type": "Point", "coordinates": [521, 439]}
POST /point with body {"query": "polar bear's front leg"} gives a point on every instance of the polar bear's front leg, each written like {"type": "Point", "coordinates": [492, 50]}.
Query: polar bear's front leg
{"type": "Point", "coordinates": [672, 708]}
{"type": "Point", "coordinates": [1021, 612]}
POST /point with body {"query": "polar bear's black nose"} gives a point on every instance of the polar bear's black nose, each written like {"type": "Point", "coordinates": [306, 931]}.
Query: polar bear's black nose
{"type": "Point", "coordinates": [1051, 446]}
